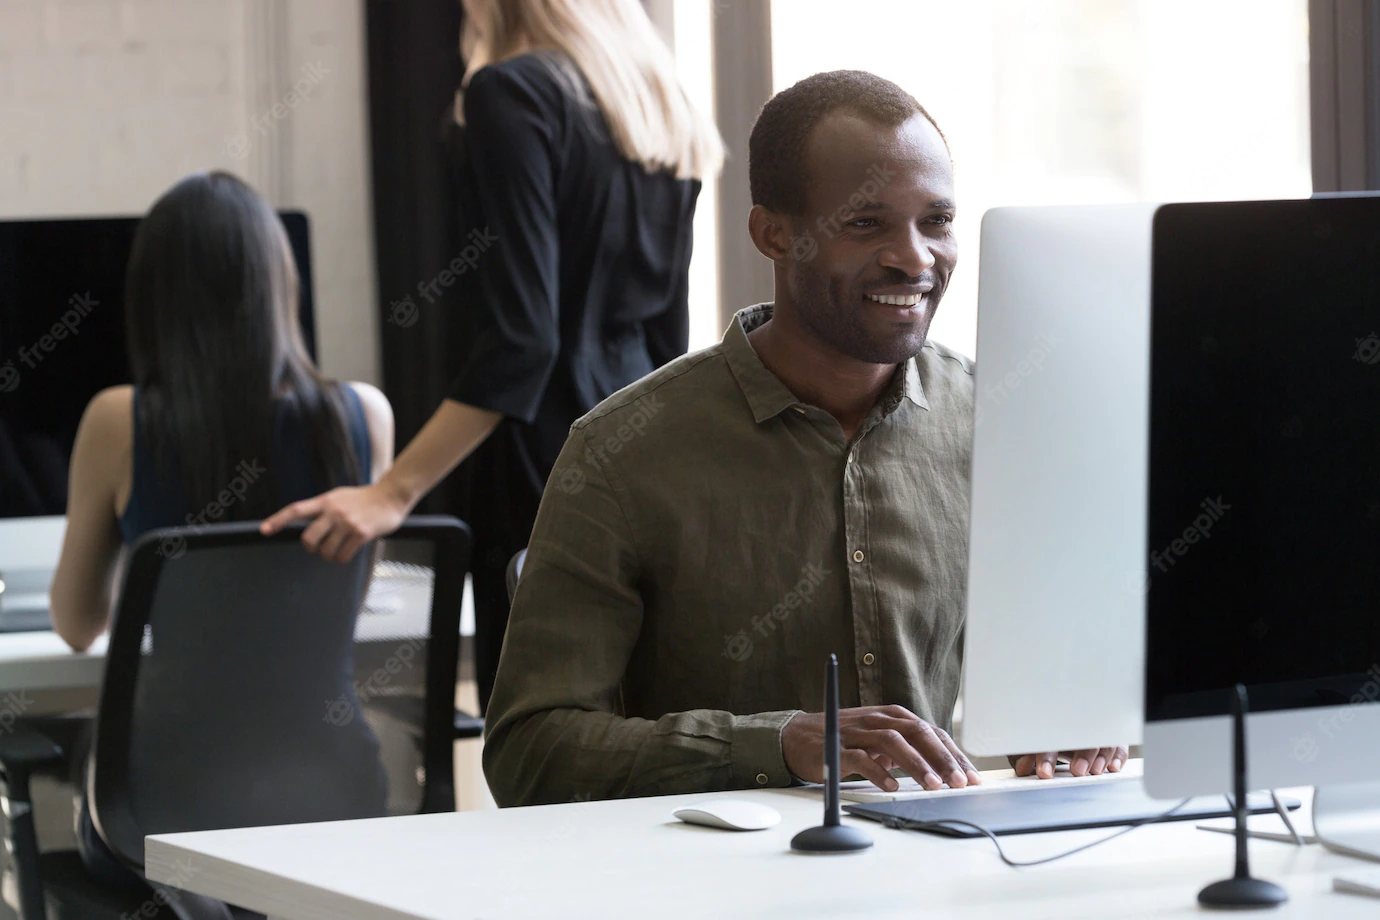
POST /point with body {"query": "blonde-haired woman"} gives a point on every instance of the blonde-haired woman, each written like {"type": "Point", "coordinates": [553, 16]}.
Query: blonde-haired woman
{"type": "Point", "coordinates": [582, 161]}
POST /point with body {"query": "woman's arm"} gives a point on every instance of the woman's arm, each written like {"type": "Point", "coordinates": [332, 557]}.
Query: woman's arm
{"type": "Point", "coordinates": [378, 416]}
{"type": "Point", "coordinates": [83, 588]}
{"type": "Point", "coordinates": [345, 519]}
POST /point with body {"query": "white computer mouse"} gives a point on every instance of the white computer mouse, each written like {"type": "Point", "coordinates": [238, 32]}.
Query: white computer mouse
{"type": "Point", "coordinates": [730, 815]}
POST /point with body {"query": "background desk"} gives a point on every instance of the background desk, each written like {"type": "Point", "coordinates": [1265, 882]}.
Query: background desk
{"type": "Point", "coordinates": [632, 859]}
{"type": "Point", "coordinates": [41, 675]}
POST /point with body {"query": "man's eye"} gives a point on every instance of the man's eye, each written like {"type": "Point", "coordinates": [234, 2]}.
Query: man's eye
{"type": "Point", "coordinates": [942, 219]}
{"type": "Point", "coordinates": [863, 223]}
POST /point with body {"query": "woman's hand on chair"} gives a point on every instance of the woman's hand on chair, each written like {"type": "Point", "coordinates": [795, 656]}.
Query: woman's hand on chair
{"type": "Point", "coordinates": [344, 519]}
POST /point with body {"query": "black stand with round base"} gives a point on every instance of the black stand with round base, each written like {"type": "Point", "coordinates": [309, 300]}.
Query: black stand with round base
{"type": "Point", "coordinates": [831, 836]}
{"type": "Point", "coordinates": [825, 839]}
{"type": "Point", "coordinates": [1241, 892]}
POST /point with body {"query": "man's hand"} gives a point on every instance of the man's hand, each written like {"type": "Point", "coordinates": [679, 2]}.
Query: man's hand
{"type": "Point", "coordinates": [873, 740]}
{"type": "Point", "coordinates": [1092, 761]}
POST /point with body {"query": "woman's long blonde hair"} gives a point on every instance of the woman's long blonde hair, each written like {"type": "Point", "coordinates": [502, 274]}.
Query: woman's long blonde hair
{"type": "Point", "coordinates": [627, 66]}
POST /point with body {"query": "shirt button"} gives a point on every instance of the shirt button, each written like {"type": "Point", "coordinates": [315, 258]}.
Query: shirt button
{"type": "Point", "coordinates": [869, 658]}
{"type": "Point", "coordinates": [761, 779]}
{"type": "Point", "coordinates": [858, 555]}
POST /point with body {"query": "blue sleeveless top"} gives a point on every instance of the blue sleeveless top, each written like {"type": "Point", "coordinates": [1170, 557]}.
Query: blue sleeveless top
{"type": "Point", "coordinates": [158, 501]}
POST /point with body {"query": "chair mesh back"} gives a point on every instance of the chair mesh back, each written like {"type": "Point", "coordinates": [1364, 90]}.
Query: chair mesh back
{"type": "Point", "coordinates": [254, 705]}
{"type": "Point", "coordinates": [391, 641]}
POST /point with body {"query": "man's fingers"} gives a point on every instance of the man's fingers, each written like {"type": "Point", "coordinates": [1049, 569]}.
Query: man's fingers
{"type": "Point", "coordinates": [1102, 763]}
{"type": "Point", "coordinates": [894, 744]}
{"type": "Point", "coordinates": [853, 760]}
{"type": "Point", "coordinates": [1025, 764]}
{"type": "Point", "coordinates": [1044, 764]}
{"type": "Point", "coordinates": [964, 763]}
{"type": "Point", "coordinates": [1080, 762]}
{"type": "Point", "coordinates": [307, 508]}
{"type": "Point", "coordinates": [1119, 757]}
{"type": "Point", "coordinates": [939, 752]}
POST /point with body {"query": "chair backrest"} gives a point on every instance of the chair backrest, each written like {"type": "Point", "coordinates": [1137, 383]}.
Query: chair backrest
{"type": "Point", "coordinates": [249, 682]}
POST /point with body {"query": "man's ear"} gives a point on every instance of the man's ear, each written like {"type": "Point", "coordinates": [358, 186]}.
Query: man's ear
{"type": "Point", "coordinates": [771, 233]}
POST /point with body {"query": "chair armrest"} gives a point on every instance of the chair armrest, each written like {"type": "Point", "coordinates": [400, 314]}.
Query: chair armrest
{"type": "Point", "coordinates": [22, 750]}
{"type": "Point", "coordinates": [468, 726]}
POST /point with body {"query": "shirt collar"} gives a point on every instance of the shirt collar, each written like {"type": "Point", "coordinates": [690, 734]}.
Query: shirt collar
{"type": "Point", "coordinates": [768, 396]}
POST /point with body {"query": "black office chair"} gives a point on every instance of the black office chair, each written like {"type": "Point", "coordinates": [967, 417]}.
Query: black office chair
{"type": "Point", "coordinates": [249, 682]}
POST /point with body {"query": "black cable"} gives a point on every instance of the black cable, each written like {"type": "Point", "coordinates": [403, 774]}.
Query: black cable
{"type": "Point", "coordinates": [950, 823]}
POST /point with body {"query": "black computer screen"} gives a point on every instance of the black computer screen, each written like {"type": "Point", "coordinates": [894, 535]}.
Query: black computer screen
{"type": "Point", "coordinates": [62, 341]}
{"type": "Point", "coordinates": [1264, 491]}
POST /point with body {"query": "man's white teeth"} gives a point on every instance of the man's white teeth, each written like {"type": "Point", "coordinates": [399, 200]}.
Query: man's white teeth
{"type": "Point", "coordinates": [897, 300]}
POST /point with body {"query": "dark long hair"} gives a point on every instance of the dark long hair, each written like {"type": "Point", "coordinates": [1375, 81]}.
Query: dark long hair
{"type": "Point", "coordinates": [214, 343]}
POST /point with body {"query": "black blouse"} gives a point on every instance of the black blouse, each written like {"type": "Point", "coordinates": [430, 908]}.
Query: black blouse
{"type": "Point", "coordinates": [579, 286]}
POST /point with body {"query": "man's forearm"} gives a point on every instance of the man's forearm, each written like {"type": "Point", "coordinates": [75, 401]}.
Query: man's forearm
{"type": "Point", "coordinates": [566, 755]}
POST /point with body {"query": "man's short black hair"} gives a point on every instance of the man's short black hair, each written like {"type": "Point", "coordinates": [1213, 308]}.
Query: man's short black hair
{"type": "Point", "coordinates": [776, 149]}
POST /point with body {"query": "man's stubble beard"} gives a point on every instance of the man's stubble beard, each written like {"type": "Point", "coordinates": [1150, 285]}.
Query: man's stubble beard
{"type": "Point", "coordinates": [821, 307]}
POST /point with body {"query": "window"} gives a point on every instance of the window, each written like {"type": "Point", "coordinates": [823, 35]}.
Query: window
{"type": "Point", "coordinates": [695, 66]}
{"type": "Point", "coordinates": [1077, 101]}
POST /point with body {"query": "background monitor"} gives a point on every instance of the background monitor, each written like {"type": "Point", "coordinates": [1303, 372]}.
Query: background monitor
{"type": "Point", "coordinates": [1055, 629]}
{"type": "Point", "coordinates": [68, 275]}
{"type": "Point", "coordinates": [1264, 493]}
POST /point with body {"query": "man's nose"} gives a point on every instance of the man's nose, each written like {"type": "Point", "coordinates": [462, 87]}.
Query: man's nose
{"type": "Point", "coordinates": [910, 255]}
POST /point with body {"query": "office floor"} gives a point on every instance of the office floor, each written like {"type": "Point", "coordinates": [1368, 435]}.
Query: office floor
{"type": "Point", "coordinates": [471, 792]}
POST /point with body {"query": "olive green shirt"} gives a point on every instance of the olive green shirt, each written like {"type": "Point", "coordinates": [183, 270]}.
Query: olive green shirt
{"type": "Point", "coordinates": [705, 541]}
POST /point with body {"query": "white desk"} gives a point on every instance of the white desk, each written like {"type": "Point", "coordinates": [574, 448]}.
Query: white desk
{"type": "Point", "coordinates": [42, 661]}
{"type": "Point", "coordinates": [631, 859]}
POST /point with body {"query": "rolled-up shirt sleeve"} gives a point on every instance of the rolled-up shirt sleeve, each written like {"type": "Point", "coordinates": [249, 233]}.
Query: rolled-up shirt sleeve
{"type": "Point", "coordinates": [554, 729]}
{"type": "Point", "coordinates": [510, 143]}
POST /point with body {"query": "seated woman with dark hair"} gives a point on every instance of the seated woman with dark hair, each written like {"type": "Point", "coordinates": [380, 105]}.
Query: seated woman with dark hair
{"type": "Point", "coordinates": [222, 385]}
{"type": "Point", "coordinates": [224, 391]}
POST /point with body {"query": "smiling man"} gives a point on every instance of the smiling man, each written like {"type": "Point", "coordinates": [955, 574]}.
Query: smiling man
{"type": "Point", "coordinates": [711, 533]}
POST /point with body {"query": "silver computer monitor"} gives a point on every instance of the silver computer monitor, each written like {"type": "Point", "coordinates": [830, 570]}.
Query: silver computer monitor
{"type": "Point", "coordinates": [1056, 571]}
{"type": "Point", "coordinates": [1264, 499]}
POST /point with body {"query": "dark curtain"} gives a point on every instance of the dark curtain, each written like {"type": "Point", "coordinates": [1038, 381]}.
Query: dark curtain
{"type": "Point", "coordinates": [414, 69]}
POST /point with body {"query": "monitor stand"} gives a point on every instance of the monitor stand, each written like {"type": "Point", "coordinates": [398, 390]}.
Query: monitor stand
{"type": "Point", "coordinates": [1346, 819]}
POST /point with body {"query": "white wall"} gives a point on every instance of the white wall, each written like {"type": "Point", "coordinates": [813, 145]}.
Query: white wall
{"type": "Point", "coordinates": [106, 103]}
